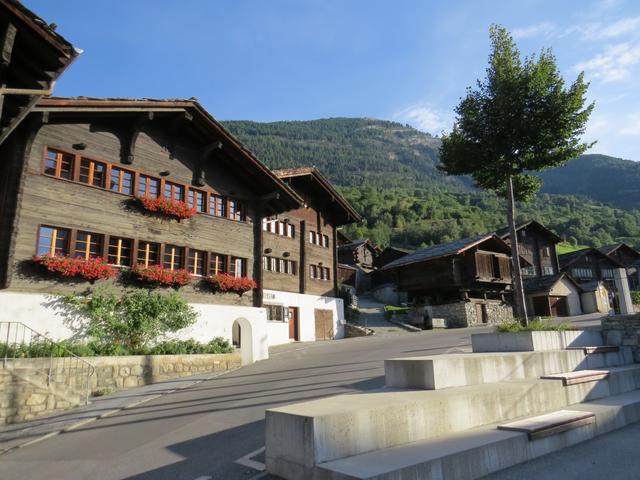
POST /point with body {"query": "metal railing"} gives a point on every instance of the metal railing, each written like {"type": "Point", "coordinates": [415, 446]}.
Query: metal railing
{"type": "Point", "coordinates": [60, 366]}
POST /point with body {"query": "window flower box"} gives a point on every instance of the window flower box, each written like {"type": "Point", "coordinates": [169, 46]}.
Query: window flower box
{"type": "Point", "coordinates": [92, 269]}
{"type": "Point", "coordinates": [157, 275]}
{"type": "Point", "coordinates": [166, 206]}
{"type": "Point", "coordinates": [224, 283]}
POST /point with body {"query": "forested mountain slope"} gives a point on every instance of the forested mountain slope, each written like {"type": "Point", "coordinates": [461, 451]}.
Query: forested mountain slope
{"type": "Point", "coordinates": [389, 172]}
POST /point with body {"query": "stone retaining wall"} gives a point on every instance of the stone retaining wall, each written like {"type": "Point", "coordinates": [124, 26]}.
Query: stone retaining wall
{"type": "Point", "coordinates": [24, 393]}
{"type": "Point", "coordinates": [623, 330]}
{"type": "Point", "coordinates": [351, 330]}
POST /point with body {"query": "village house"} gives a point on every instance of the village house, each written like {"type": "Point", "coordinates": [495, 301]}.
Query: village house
{"type": "Point", "coordinates": [602, 279]}
{"type": "Point", "coordinates": [361, 255]}
{"type": "Point", "coordinates": [548, 291]}
{"type": "Point", "coordinates": [300, 262]}
{"type": "Point", "coordinates": [79, 174]}
{"type": "Point", "coordinates": [627, 256]}
{"type": "Point", "coordinates": [458, 284]}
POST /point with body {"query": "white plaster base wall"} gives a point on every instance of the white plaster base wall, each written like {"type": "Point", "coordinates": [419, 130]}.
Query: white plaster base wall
{"type": "Point", "coordinates": [43, 314]}
{"type": "Point", "coordinates": [278, 332]}
{"type": "Point", "coordinates": [307, 305]}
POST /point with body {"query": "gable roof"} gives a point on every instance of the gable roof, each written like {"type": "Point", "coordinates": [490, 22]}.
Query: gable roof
{"type": "Point", "coordinates": [567, 259]}
{"type": "Point", "coordinates": [546, 283]}
{"type": "Point", "coordinates": [35, 56]}
{"type": "Point", "coordinates": [209, 127]}
{"type": "Point", "coordinates": [310, 180]}
{"type": "Point", "coordinates": [609, 249]}
{"type": "Point", "coordinates": [445, 250]}
{"type": "Point", "coordinates": [504, 232]}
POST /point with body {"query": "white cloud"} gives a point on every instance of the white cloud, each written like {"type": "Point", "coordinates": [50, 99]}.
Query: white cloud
{"type": "Point", "coordinates": [614, 64]}
{"type": "Point", "coordinates": [621, 27]}
{"type": "Point", "coordinates": [544, 29]}
{"type": "Point", "coordinates": [631, 125]}
{"type": "Point", "coordinates": [425, 118]}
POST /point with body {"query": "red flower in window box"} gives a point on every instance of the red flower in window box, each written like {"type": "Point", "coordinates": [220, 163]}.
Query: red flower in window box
{"type": "Point", "coordinates": [166, 206]}
{"type": "Point", "coordinates": [93, 269]}
{"type": "Point", "coordinates": [224, 283]}
{"type": "Point", "coordinates": [161, 276]}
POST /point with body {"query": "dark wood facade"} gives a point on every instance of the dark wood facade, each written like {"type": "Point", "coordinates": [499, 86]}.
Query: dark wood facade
{"type": "Point", "coordinates": [306, 236]}
{"type": "Point", "coordinates": [627, 256]}
{"type": "Point", "coordinates": [589, 265]}
{"type": "Point", "coordinates": [359, 253]}
{"type": "Point", "coordinates": [477, 267]}
{"type": "Point", "coordinates": [175, 142]}
{"type": "Point", "coordinates": [537, 248]}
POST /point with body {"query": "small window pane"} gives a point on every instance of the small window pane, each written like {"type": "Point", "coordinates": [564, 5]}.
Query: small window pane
{"type": "Point", "coordinates": [93, 173]}
{"type": "Point", "coordinates": [119, 252]}
{"type": "Point", "coordinates": [53, 241]}
{"type": "Point", "coordinates": [217, 264]}
{"type": "Point", "coordinates": [173, 257]}
{"type": "Point", "coordinates": [196, 262]}
{"type": "Point", "coordinates": [88, 245]}
{"type": "Point", "coordinates": [148, 254]}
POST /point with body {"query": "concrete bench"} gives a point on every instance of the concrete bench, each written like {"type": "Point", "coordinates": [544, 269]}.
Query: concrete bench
{"type": "Point", "coordinates": [579, 376]}
{"type": "Point", "coordinates": [550, 424]}
{"type": "Point", "coordinates": [596, 349]}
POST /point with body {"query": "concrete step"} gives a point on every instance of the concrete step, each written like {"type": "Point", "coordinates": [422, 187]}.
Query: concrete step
{"type": "Point", "coordinates": [345, 425]}
{"type": "Point", "coordinates": [550, 423]}
{"type": "Point", "coordinates": [478, 452]}
{"type": "Point", "coordinates": [455, 370]}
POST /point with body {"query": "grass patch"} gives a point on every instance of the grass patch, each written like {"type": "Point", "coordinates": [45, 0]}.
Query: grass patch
{"type": "Point", "coordinates": [394, 309]}
{"type": "Point", "coordinates": [513, 326]}
{"type": "Point", "coordinates": [565, 247]}
{"type": "Point", "coordinates": [635, 297]}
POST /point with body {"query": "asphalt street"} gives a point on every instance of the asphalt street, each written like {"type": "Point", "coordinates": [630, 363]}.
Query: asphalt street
{"type": "Point", "coordinates": [215, 430]}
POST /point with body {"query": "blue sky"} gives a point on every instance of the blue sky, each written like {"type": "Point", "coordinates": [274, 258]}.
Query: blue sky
{"type": "Point", "coordinates": [404, 60]}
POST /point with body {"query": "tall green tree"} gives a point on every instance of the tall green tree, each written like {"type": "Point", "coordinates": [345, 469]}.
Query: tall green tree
{"type": "Point", "coordinates": [519, 119]}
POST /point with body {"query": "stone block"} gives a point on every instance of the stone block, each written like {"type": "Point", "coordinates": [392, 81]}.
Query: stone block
{"type": "Point", "coordinates": [130, 382]}
{"type": "Point", "coordinates": [613, 337]}
{"type": "Point", "coordinates": [137, 370]}
{"type": "Point", "coordinates": [37, 408]}
{"type": "Point", "coordinates": [124, 371]}
{"type": "Point", "coordinates": [36, 399]}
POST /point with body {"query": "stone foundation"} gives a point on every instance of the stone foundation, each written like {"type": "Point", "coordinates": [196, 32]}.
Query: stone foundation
{"type": "Point", "coordinates": [465, 314]}
{"type": "Point", "coordinates": [623, 330]}
{"type": "Point", "coordinates": [24, 394]}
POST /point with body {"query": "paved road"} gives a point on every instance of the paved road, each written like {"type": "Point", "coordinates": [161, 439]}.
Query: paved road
{"type": "Point", "coordinates": [200, 432]}
{"type": "Point", "coordinates": [372, 316]}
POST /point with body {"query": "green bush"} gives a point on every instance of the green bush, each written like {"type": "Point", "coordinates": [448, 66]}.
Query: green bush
{"type": "Point", "coordinates": [92, 349]}
{"type": "Point", "coordinates": [635, 297]}
{"type": "Point", "coordinates": [535, 326]}
{"type": "Point", "coordinates": [134, 321]}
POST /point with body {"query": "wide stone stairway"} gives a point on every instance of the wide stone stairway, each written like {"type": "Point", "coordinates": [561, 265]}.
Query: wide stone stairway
{"type": "Point", "coordinates": [461, 416]}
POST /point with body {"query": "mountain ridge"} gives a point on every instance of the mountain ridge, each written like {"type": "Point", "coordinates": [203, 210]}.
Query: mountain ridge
{"type": "Point", "coordinates": [390, 172]}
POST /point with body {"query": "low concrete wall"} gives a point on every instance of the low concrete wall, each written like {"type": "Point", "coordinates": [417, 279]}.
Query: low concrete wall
{"type": "Point", "coordinates": [534, 341]}
{"type": "Point", "coordinates": [351, 330]}
{"type": "Point", "coordinates": [24, 394]}
{"type": "Point", "coordinates": [623, 330]}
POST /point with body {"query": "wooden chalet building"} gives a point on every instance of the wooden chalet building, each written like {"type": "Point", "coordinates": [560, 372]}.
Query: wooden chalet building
{"type": "Point", "coordinates": [71, 174]}
{"type": "Point", "coordinates": [361, 255]}
{"type": "Point", "coordinates": [627, 256]}
{"type": "Point", "coordinates": [548, 291]}
{"type": "Point", "coordinates": [300, 262]}
{"type": "Point", "coordinates": [464, 282]}
{"type": "Point", "coordinates": [598, 276]}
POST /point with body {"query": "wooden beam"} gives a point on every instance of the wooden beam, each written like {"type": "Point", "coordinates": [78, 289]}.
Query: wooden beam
{"type": "Point", "coordinates": [130, 137]}
{"type": "Point", "coordinates": [7, 41]}
{"type": "Point", "coordinates": [205, 152]}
